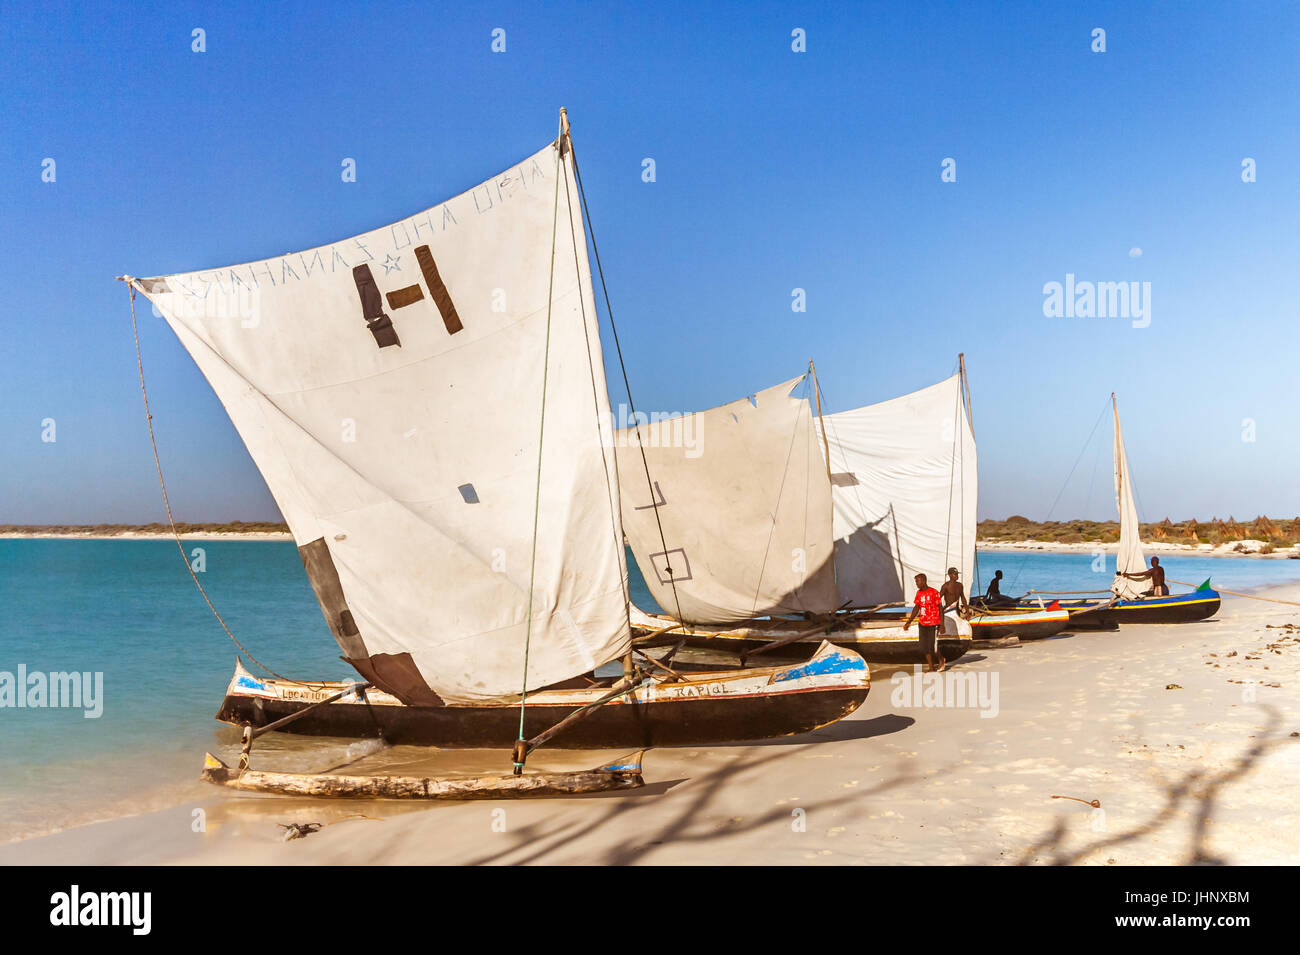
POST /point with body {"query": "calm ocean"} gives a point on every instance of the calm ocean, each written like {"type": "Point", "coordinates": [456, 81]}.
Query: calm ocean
{"type": "Point", "coordinates": [129, 610]}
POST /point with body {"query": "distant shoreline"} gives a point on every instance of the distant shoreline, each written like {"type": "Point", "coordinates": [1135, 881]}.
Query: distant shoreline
{"type": "Point", "coordinates": [1248, 548]}
{"type": "Point", "coordinates": [234, 530]}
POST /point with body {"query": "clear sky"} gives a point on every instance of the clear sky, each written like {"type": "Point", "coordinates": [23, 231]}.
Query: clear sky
{"type": "Point", "coordinates": [775, 170]}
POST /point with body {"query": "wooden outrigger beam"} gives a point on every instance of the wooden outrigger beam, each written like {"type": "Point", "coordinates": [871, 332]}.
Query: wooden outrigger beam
{"type": "Point", "coordinates": [524, 747]}
{"type": "Point", "coordinates": [660, 665]}
{"type": "Point", "coordinates": [792, 638]}
{"type": "Point", "coordinates": [648, 639]}
{"type": "Point", "coordinates": [624, 773]}
{"type": "Point", "coordinates": [251, 733]}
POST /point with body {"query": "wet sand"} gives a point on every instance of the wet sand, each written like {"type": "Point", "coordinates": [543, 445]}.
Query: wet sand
{"type": "Point", "coordinates": [1203, 771]}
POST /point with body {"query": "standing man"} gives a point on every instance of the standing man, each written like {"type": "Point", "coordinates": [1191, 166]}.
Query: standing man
{"type": "Point", "coordinates": [953, 594]}
{"type": "Point", "coordinates": [927, 605]}
{"type": "Point", "coordinates": [1157, 575]}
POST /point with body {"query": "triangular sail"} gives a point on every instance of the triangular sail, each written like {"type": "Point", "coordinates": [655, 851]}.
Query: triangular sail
{"type": "Point", "coordinates": [905, 486]}
{"type": "Point", "coordinates": [1129, 559]}
{"type": "Point", "coordinates": [388, 388]}
{"type": "Point", "coordinates": [741, 495]}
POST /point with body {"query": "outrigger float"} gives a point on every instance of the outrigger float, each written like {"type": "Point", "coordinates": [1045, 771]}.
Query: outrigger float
{"type": "Point", "coordinates": [468, 558]}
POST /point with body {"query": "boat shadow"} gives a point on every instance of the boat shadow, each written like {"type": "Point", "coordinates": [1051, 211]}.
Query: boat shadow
{"type": "Point", "coordinates": [841, 731]}
{"type": "Point", "coordinates": [697, 819]}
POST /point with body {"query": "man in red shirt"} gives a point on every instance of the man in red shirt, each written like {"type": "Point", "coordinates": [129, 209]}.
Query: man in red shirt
{"type": "Point", "coordinates": [927, 605]}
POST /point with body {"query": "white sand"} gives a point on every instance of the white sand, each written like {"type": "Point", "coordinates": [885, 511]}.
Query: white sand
{"type": "Point", "coordinates": [1179, 772]}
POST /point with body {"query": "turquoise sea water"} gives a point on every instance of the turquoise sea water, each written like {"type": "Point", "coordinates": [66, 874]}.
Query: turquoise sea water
{"type": "Point", "coordinates": [128, 609]}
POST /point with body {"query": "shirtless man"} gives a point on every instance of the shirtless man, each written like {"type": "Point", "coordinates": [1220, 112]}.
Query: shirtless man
{"type": "Point", "coordinates": [994, 597]}
{"type": "Point", "coordinates": [1157, 576]}
{"type": "Point", "coordinates": [953, 594]}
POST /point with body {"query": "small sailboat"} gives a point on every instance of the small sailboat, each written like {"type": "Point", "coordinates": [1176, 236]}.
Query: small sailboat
{"type": "Point", "coordinates": [1129, 600]}
{"type": "Point", "coordinates": [860, 500]}
{"type": "Point", "coordinates": [427, 404]}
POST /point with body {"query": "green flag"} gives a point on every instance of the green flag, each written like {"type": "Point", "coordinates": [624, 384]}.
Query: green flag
{"type": "Point", "coordinates": [1206, 585]}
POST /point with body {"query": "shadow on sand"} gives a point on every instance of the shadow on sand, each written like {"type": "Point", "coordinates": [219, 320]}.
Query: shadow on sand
{"type": "Point", "coordinates": [1199, 788]}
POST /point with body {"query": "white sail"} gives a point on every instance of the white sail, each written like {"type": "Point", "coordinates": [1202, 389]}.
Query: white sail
{"type": "Point", "coordinates": [1129, 559]}
{"type": "Point", "coordinates": [388, 389]}
{"type": "Point", "coordinates": [905, 487]}
{"type": "Point", "coordinates": [740, 492]}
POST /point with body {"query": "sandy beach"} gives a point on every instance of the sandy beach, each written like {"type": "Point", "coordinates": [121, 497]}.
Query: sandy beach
{"type": "Point", "coordinates": [1187, 735]}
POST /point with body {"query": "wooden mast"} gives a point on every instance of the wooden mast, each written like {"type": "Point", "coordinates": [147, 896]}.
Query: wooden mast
{"type": "Point", "coordinates": [965, 387]}
{"type": "Point", "coordinates": [817, 393]}
{"type": "Point", "coordinates": [970, 422]}
{"type": "Point", "coordinates": [826, 446]}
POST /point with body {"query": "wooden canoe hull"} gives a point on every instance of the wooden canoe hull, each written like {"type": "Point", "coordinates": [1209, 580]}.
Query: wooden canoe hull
{"type": "Point", "coordinates": [717, 707]}
{"type": "Point", "coordinates": [622, 774]}
{"type": "Point", "coordinates": [876, 641]}
{"type": "Point", "coordinates": [881, 647]}
{"type": "Point", "coordinates": [1030, 623]}
{"type": "Point", "coordinates": [1176, 608]}
{"type": "Point", "coordinates": [1034, 624]}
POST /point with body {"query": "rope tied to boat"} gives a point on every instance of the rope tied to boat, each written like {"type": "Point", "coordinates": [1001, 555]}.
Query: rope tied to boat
{"type": "Point", "coordinates": [1220, 590]}
{"type": "Point", "coordinates": [162, 484]}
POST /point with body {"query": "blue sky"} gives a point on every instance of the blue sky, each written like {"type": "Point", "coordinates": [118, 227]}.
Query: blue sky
{"type": "Point", "coordinates": [775, 170]}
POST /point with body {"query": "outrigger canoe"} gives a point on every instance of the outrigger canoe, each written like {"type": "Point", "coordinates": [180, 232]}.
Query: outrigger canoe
{"type": "Point", "coordinates": [1110, 613]}
{"type": "Point", "coordinates": [876, 641]}
{"type": "Point", "coordinates": [686, 709]}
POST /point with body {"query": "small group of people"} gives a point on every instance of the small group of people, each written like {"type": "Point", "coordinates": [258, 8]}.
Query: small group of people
{"type": "Point", "coordinates": [930, 604]}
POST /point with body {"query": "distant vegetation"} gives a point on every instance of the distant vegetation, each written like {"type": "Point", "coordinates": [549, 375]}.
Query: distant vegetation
{"type": "Point", "coordinates": [1277, 533]}
{"type": "Point", "coordinates": [108, 530]}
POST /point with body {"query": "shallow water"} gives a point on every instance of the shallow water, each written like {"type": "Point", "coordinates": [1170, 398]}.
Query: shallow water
{"type": "Point", "coordinates": [129, 610]}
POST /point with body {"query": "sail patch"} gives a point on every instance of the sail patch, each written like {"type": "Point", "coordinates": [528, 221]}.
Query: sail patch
{"type": "Point", "coordinates": [324, 577]}
{"type": "Point", "coordinates": [441, 297]}
{"type": "Point", "coordinates": [372, 308]}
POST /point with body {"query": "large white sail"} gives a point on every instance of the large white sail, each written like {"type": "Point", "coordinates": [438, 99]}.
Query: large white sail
{"type": "Point", "coordinates": [1129, 559]}
{"type": "Point", "coordinates": [388, 388]}
{"type": "Point", "coordinates": [740, 492]}
{"type": "Point", "coordinates": [905, 487]}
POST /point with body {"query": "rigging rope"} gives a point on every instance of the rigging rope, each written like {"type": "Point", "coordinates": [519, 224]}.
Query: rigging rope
{"type": "Point", "coordinates": [1220, 590]}
{"type": "Point", "coordinates": [610, 486]}
{"type": "Point", "coordinates": [162, 484]}
{"type": "Point", "coordinates": [1021, 565]}
{"type": "Point", "coordinates": [776, 507]}
{"type": "Point", "coordinates": [618, 348]}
